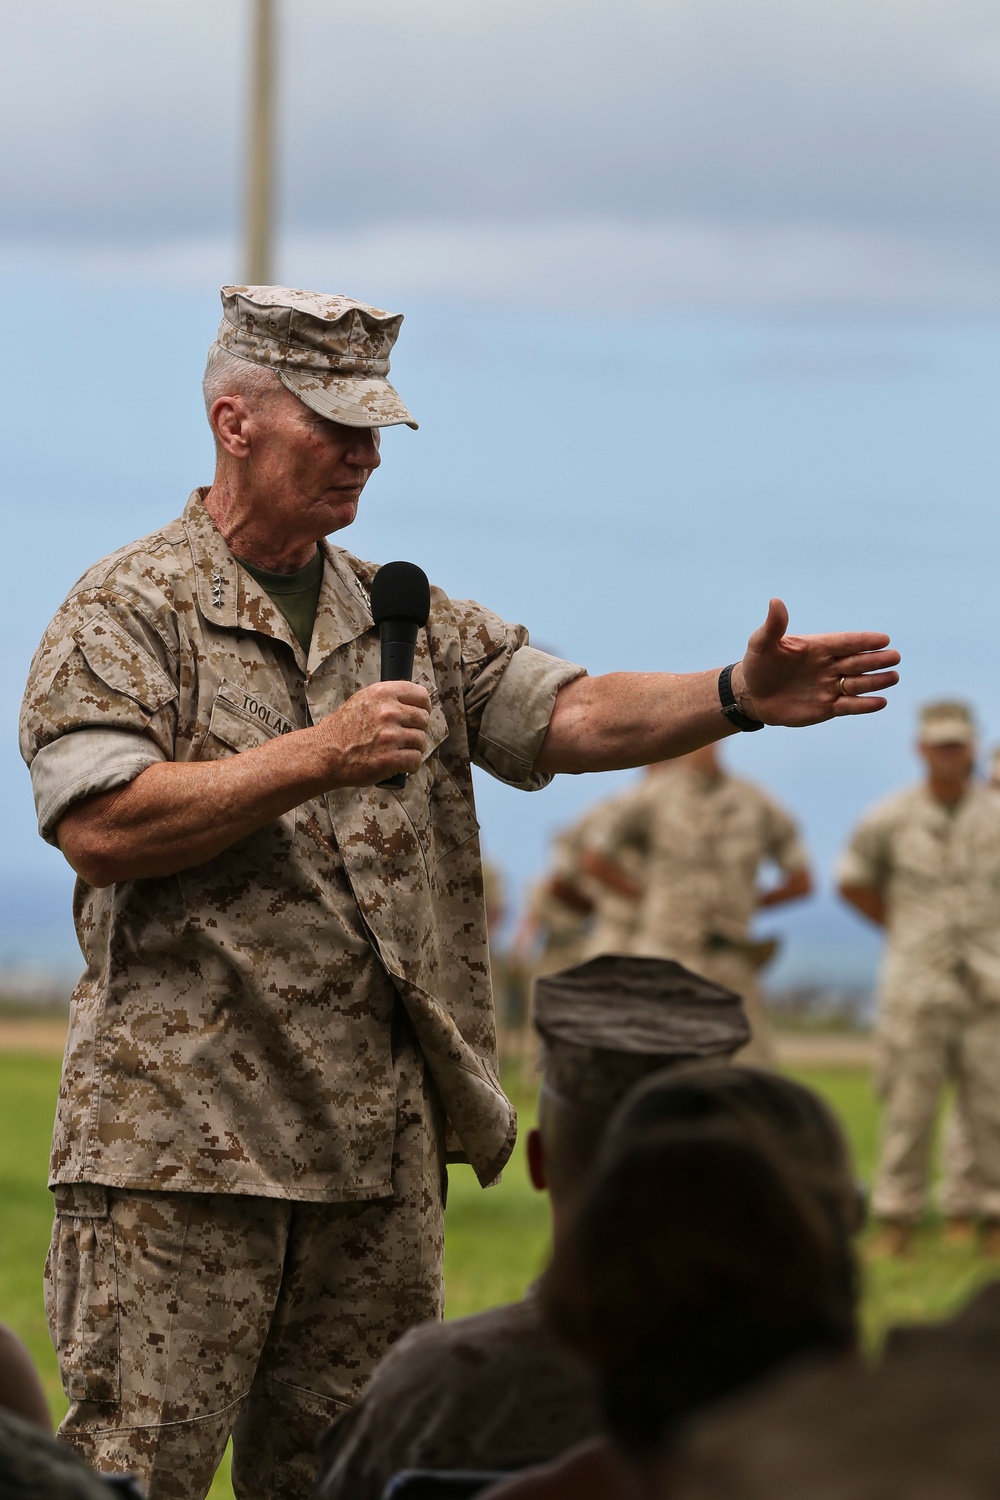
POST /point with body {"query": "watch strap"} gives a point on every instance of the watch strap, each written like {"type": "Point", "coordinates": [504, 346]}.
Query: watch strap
{"type": "Point", "coordinates": [730, 708]}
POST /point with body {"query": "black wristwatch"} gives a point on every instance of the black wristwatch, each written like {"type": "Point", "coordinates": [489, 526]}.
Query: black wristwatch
{"type": "Point", "coordinates": [730, 707]}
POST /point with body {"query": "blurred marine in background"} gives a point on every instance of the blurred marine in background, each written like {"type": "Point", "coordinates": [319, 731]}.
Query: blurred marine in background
{"type": "Point", "coordinates": [702, 836]}
{"type": "Point", "coordinates": [570, 915]}
{"type": "Point", "coordinates": [925, 865]}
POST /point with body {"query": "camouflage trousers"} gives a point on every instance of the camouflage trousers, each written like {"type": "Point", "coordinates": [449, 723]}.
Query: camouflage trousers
{"type": "Point", "coordinates": [917, 1055]}
{"type": "Point", "coordinates": [961, 1190]}
{"type": "Point", "coordinates": [181, 1319]}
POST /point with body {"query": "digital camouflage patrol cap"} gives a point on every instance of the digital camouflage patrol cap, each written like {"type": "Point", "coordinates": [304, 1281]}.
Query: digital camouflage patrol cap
{"type": "Point", "coordinates": [947, 723]}
{"type": "Point", "coordinates": [609, 1022]}
{"type": "Point", "coordinates": [330, 351]}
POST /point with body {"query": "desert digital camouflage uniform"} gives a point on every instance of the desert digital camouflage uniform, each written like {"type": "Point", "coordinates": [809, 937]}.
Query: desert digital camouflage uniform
{"type": "Point", "coordinates": [960, 1192]}
{"type": "Point", "coordinates": [606, 828]}
{"type": "Point", "coordinates": [571, 932]}
{"type": "Point", "coordinates": [278, 962]}
{"type": "Point", "coordinates": [284, 1029]}
{"type": "Point", "coordinates": [703, 840]}
{"type": "Point", "coordinates": [560, 929]}
{"type": "Point", "coordinates": [261, 1317]}
{"type": "Point", "coordinates": [498, 1390]}
{"type": "Point", "coordinates": [939, 873]}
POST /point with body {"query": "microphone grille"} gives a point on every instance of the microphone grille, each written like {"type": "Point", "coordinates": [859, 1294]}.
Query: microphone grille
{"type": "Point", "coordinates": [400, 591]}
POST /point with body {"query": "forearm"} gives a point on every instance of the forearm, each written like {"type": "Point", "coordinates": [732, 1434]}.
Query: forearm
{"type": "Point", "coordinates": [868, 901]}
{"type": "Point", "coordinates": [176, 815]}
{"type": "Point", "coordinates": [631, 719]}
{"type": "Point", "coordinates": [609, 874]}
{"type": "Point", "coordinates": [792, 888]}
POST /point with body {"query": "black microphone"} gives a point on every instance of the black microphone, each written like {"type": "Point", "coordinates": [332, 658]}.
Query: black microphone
{"type": "Point", "coordinates": [401, 602]}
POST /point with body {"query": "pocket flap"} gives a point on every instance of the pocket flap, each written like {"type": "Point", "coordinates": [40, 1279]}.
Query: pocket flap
{"type": "Point", "coordinates": [122, 664]}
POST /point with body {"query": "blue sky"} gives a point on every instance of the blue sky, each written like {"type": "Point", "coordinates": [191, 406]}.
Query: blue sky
{"type": "Point", "coordinates": [692, 318]}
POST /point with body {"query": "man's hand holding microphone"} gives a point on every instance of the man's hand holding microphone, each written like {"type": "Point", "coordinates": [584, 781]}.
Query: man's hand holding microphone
{"type": "Point", "coordinates": [379, 736]}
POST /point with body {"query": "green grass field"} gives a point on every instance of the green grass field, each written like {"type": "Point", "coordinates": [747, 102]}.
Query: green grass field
{"type": "Point", "coordinates": [496, 1241]}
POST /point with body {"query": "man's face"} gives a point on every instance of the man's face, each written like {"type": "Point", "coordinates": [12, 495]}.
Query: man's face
{"type": "Point", "coordinates": [951, 762]}
{"type": "Point", "coordinates": [309, 471]}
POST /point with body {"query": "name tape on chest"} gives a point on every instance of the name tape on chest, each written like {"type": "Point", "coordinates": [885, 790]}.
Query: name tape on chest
{"type": "Point", "coordinates": [271, 719]}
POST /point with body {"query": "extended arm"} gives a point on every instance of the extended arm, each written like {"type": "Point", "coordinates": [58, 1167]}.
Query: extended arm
{"type": "Point", "coordinates": [632, 718]}
{"type": "Point", "coordinates": [175, 815]}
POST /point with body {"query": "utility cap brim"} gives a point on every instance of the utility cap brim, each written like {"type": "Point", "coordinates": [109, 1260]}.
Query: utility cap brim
{"type": "Point", "coordinates": [353, 401]}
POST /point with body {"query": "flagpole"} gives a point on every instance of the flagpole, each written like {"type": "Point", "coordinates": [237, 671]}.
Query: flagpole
{"type": "Point", "coordinates": [259, 242]}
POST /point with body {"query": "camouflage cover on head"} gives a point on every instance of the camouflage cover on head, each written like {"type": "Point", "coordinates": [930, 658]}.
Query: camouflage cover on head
{"type": "Point", "coordinates": [330, 351]}
{"type": "Point", "coordinates": [608, 1022]}
{"type": "Point", "coordinates": [947, 723]}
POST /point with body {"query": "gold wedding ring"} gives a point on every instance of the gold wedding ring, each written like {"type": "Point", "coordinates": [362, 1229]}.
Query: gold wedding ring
{"type": "Point", "coordinates": [843, 689]}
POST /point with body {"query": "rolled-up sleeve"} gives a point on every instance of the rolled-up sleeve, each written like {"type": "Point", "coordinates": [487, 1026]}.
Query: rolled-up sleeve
{"type": "Point", "coordinates": [517, 716]}
{"type": "Point", "coordinates": [99, 706]}
{"type": "Point", "coordinates": [82, 764]}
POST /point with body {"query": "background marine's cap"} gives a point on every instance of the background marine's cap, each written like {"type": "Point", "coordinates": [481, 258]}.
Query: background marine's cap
{"type": "Point", "coordinates": [948, 723]}
{"type": "Point", "coordinates": [611, 1021]}
{"type": "Point", "coordinates": [331, 352]}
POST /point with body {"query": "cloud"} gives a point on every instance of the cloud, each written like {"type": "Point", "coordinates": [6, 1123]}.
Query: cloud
{"type": "Point", "coordinates": [703, 153]}
{"type": "Point", "coordinates": [569, 266]}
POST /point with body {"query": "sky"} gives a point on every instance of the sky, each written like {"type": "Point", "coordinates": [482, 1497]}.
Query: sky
{"type": "Point", "coordinates": [701, 303]}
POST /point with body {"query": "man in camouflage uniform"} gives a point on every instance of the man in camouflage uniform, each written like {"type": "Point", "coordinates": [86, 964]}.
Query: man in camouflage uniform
{"type": "Point", "coordinates": [570, 916]}
{"type": "Point", "coordinates": [925, 865]}
{"type": "Point", "coordinates": [497, 1391]}
{"type": "Point", "coordinates": [287, 991]}
{"type": "Point", "coordinates": [704, 835]}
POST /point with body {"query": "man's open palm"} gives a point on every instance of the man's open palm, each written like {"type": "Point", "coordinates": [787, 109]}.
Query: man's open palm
{"type": "Point", "coordinates": [804, 679]}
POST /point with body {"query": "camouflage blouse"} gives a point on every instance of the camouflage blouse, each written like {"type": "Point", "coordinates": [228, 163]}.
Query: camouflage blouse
{"type": "Point", "coordinates": [232, 1029]}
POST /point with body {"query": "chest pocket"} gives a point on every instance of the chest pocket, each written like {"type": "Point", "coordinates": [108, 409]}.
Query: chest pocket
{"type": "Point", "coordinates": [241, 720]}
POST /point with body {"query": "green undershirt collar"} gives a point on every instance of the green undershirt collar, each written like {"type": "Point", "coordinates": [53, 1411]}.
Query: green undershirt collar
{"type": "Point", "coordinates": [295, 594]}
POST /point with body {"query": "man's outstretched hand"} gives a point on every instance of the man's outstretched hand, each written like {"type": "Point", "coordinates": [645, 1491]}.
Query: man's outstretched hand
{"type": "Point", "coordinates": [804, 679]}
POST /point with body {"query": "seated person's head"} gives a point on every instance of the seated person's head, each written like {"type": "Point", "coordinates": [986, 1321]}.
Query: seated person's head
{"type": "Point", "coordinates": [697, 1262]}
{"type": "Point", "coordinates": [606, 1025]}
{"type": "Point", "coordinates": [799, 1126]}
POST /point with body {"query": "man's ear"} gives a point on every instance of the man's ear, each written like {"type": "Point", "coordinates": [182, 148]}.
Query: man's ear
{"type": "Point", "coordinates": [536, 1161]}
{"type": "Point", "coordinates": [228, 420]}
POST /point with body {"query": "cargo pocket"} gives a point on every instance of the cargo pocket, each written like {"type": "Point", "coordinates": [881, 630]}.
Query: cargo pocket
{"type": "Point", "coordinates": [81, 1294]}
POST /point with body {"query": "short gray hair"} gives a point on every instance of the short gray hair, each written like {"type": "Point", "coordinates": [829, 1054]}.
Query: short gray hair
{"type": "Point", "coordinates": [228, 375]}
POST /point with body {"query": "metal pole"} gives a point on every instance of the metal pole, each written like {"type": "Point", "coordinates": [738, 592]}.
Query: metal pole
{"type": "Point", "coordinates": [260, 148]}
